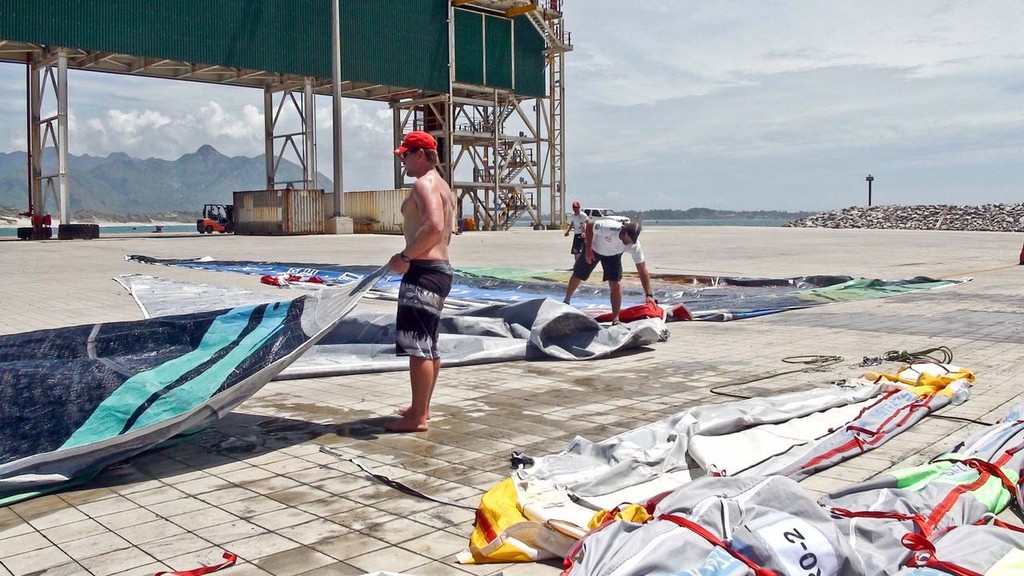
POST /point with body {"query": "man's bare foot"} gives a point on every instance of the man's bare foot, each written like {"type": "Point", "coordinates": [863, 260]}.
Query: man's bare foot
{"type": "Point", "coordinates": [405, 410]}
{"type": "Point", "coordinates": [405, 425]}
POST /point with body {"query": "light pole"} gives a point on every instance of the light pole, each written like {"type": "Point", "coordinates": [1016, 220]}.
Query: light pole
{"type": "Point", "coordinates": [869, 179]}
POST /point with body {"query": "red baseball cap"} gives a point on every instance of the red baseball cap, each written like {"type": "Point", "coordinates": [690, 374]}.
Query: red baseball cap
{"type": "Point", "coordinates": [575, 204]}
{"type": "Point", "coordinates": [416, 139]}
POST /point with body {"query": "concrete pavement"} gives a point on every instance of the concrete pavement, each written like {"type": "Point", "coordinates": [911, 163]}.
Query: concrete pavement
{"type": "Point", "coordinates": [256, 484]}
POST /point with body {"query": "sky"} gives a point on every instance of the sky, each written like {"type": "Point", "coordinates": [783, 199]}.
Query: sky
{"type": "Point", "coordinates": [767, 105]}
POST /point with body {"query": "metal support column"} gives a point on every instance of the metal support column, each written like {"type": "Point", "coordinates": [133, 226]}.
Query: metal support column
{"type": "Point", "coordinates": [339, 194]}
{"type": "Point", "coordinates": [44, 134]}
{"type": "Point", "coordinates": [556, 70]}
{"type": "Point", "coordinates": [269, 153]}
{"type": "Point", "coordinates": [309, 123]}
{"type": "Point", "coordinates": [62, 136]}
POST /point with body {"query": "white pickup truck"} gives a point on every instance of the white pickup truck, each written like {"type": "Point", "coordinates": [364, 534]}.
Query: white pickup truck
{"type": "Point", "coordinates": [597, 213]}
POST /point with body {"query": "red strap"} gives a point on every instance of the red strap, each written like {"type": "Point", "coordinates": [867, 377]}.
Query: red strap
{"type": "Point", "coordinates": [917, 519]}
{"type": "Point", "coordinates": [716, 541]}
{"type": "Point", "coordinates": [229, 560]}
{"type": "Point", "coordinates": [922, 553]}
{"type": "Point", "coordinates": [1007, 525]}
{"type": "Point", "coordinates": [986, 466]}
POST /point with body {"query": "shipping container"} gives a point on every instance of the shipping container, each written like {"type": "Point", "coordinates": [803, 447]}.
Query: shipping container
{"type": "Point", "coordinates": [279, 212]}
{"type": "Point", "coordinates": [376, 210]}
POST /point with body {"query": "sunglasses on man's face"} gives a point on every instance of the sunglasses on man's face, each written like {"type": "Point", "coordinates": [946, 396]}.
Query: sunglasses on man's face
{"type": "Point", "coordinates": [409, 151]}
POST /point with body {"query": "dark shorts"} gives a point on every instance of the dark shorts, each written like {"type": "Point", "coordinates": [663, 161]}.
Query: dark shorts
{"type": "Point", "coordinates": [420, 300]}
{"type": "Point", "coordinates": [577, 244]}
{"type": "Point", "coordinates": [612, 266]}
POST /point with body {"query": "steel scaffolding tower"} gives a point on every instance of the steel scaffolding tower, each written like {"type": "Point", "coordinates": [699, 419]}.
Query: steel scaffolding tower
{"type": "Point", "coordinates": [501, 153]}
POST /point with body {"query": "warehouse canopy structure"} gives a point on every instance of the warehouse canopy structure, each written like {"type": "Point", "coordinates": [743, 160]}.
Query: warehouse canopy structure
{"type": "Point", "coordinates": [464, 70]}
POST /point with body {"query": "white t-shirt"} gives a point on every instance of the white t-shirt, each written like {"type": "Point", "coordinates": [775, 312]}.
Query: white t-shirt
{"type": "Point", "coordinates": [606, 241]}
{"type": "Point", "coordinates": [578, 222]}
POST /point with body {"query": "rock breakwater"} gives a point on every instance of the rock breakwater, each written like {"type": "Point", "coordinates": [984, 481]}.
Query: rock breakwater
{"type": "Point", "coordinates": [986, 217]}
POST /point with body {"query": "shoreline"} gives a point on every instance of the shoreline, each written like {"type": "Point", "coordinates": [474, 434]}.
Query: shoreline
{"type": "Point", "coordinates": [7, 223]}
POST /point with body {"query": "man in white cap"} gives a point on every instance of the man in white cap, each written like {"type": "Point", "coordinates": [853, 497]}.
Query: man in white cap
{"type": "Point", "coordinates": [606, 240]}
{"type": "Point", "coordinates": [577, 222]}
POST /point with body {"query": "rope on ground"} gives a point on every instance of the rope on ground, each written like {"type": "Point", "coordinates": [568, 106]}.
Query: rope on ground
{"type": "Point", "coordinates": [945, 355]}
{"type": "Point", "coordinates": [809, 362]}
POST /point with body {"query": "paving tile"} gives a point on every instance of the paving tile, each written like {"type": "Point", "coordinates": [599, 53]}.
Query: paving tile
{"type": "Point", "coordinates": [282, 518]}
{"type": "Point", "coordinates": [79, 497]}
{"type": "Point", "coordinates": [206, 557]}
{"type": "Point", "coordinates": [437, 544]}
{"type": "Point", "coordinates": [145, 570]}
{"type": "Point", "coordinates": [222, 534]}
{"type": "Point", "coordinates": [95, 545]}
{"type": "Point", "coordinates": [271, 484]}
{"type": "Point", "coordinates": [193, 521]}
{"type": "Point", "coordinates": [313, 531]}
{"type": "Point", "coordinates": [38, 507]}
{"type": "Point", "coordinates": [177, 507]}
{"type": "Point", "coordinates": [35, 560]}
{"type": "Point", "coordinates": [150, 531]}
{"type": "Point", "coordinates": [227, 495]}
{"type": "Point", "coordinates": [22, 543]}
{"type": "Point", "coordinates": [362, 517]}
{"type": "Point", "coordinates": [329, 506]}
{"type": "Point", "coordinates": [74, 531]}
{"type": "Point", "coordinates": [440, 569]}
{"type": "Point", "coordinates": [155, 495]}
{"type": "Point", "coordinates": [127, 518]}
{"type": "Point", "coordinates": [295, 561]}
{"type": "Point", "coordinates": [69, 569]}
{"type": "Point", "coordinates": [117, 561]}
{"type": "Point", "coordinates": [250, 475]}
{"type": "Point", "coordinates": [391, 559]}
{"type": "Point", "coordinates": [58, 517]}
{"type": "Point", "coordinates": [348, 545]}
{"type": "Point", "coordinates": [335, 569]}
{"type": "Point", "coordinates": [398, 531]}
{"type": "Point", "coordinates": [298, 495]}
{"type": "Point", "coordinates": [255, 547]}
{"type": "Point", "coordinates": [15, 527]}
{"type": "Point", "coordinates": [107, 506]}
{"type": "Point", "coordinates": [202, 485]}
{"type": "Point", "coordinates": [173, 546]}
{"type": "Point", "coordinates": [254, 506]}
{"type": "Point", "coordinates": [242, 568]}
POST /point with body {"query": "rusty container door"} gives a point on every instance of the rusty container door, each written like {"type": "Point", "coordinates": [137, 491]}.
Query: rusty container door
{"type": "Point", "coordinates": [279, 212]}
{"type": "Point", "coordinates": [376, 211]}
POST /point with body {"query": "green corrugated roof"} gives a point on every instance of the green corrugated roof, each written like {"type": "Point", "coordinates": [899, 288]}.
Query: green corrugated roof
{"type": "Point", "coordinates": [395, 42]}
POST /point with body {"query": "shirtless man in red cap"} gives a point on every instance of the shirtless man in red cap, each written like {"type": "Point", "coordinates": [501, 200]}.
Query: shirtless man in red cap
{"type": "Point", "coordinates": [426, 275]}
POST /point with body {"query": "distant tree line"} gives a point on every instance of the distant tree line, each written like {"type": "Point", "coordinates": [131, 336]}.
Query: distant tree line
{"type": "Point", "coordinates": [709, 214]}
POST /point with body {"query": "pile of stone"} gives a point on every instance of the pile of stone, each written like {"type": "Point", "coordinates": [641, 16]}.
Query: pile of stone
{"type": "Point", "coordinates": [987, 217]}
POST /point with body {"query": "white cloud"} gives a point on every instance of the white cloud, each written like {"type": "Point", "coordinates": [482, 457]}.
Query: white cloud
{"type": "Point", "coordinates": [774, 104]}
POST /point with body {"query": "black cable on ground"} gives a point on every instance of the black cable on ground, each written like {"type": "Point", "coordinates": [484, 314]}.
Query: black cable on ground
{"type": "Point", "coordinates": [810, 362]}
{"type": "Point", "coordinates": [961, 419]}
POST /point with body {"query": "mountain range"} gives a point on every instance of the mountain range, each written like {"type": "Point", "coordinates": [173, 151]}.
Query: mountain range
{"type": "Point", "coordinates": [121, 184]}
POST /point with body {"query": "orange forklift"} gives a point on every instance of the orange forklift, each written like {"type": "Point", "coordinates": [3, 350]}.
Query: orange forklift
{"type": "Point", "coordinates": [216, 218]}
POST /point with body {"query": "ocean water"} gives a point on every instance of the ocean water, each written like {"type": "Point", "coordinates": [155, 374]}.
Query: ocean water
{"type": "Point", "coordinates": [104, 230]}
{"type": "Point", "coordinates": [770, 222]}
{"type": "Point", "coordinates": [148, 228]}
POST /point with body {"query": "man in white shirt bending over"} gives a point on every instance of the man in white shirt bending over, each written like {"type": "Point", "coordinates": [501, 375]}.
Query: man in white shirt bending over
{"type": "Point", "coordinates": [605, 241]}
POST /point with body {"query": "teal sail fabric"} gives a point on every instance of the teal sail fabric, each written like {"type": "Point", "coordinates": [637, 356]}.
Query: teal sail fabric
{"type": "Point", "coordinates": [75, 400]}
